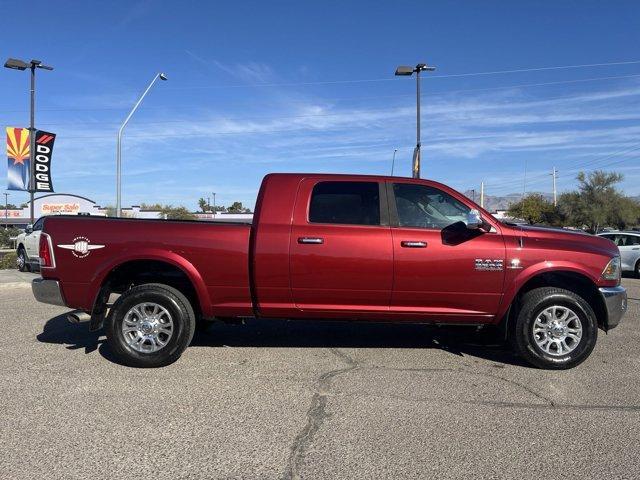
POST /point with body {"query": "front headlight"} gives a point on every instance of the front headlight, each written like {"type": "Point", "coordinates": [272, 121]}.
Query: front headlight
{"type": "Point", "coordinates": [612, 270]}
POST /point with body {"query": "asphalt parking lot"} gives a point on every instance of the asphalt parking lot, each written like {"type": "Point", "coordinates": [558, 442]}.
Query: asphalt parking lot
{"type": "Point", "coordinates": [275, 399]}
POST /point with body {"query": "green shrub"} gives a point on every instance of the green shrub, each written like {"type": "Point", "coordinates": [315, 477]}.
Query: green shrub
{"type": "Point", "coordinates": [8, 261]}
{"type": "Point", "coordinates": [5, 235]}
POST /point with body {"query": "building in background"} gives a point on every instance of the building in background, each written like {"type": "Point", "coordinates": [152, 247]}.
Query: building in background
{"type": "Point", "coordinates": [69, 204]}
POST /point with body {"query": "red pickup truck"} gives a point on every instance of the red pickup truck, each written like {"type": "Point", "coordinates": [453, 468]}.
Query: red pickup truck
{"type": "Point", "coordinates": [355, 247]}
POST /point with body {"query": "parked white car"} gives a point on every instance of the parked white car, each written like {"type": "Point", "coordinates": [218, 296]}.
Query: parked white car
{"type": "Point", "coordinates": [28, 244]}
{"type": "Point", "coordinates": [629, 245]}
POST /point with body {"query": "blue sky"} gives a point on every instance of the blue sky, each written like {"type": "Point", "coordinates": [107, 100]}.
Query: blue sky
{"type": "Point", "coordinates": [258, 87]}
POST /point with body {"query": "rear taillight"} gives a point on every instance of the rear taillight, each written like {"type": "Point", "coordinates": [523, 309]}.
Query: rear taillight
{"type": "Point", "coordinates": [46, 252]}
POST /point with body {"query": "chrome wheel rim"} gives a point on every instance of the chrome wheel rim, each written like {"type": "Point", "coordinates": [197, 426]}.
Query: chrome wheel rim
{"type": "Point", "coordinates": [20, 260]}
{"type": "Point", "coordinates": [557, 330]}
{"type": "Point", "coordinates": [147, 327]}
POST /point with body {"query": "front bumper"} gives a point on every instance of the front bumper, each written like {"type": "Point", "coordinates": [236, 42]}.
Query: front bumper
{"type": "Point", "coordinates": [47, 291]}
{"type": "Point", "coordinates": [615, 301]}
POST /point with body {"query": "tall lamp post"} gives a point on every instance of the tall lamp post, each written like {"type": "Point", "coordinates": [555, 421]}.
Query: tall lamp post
{"type": "Point", "coordinates": [15, 64]}
{"type": "Point", "coordinates": [393, 160]}
{"type": "Point", "coordinates": [160, 76]}
{"type": "Point", "coordinates": [404, 71]}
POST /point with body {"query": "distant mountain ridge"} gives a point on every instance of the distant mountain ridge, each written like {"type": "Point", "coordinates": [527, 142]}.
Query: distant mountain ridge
{"type": "Point", "coordinates": [497, 202]}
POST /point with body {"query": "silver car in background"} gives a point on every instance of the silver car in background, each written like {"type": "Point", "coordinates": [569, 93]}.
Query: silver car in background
{"type": "Point", "coordinates": [629, 245]}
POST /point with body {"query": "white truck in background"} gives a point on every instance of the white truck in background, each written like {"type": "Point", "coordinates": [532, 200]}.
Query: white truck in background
{"type": "Point", "coordinates": [27, 245]}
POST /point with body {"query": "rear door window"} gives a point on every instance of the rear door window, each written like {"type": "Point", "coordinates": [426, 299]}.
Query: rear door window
{"type": "Point", "coordinates": [631, 240]}
{"type": "Point", "coordinates": [347, 203]}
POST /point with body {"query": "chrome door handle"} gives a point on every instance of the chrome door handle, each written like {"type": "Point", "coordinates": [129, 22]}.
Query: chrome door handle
{"type": "Point", "coordinates": [636, 248]}
{"type": "Point", "coordinates": [311, 240]}
{"type": "Point", "coordinates": [413, 244]}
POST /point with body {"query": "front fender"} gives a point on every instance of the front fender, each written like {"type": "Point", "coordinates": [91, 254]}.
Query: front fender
{"type": "Point", "coordinates": [517, 280]}
{"type": "Point", "coordinates": [169, 257]}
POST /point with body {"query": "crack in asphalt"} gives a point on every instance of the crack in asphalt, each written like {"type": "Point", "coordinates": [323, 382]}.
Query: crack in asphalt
{"type": "Point", "coordinates": [547, 405]}
{"type": "Point", "coordinates": [516, 384]}
{"type": "Point", "coordinates": [316, 415]}
{"type": "Point", "coordinates": [529, 390]}
{"type": "Point", "coordinates": [509, 405]}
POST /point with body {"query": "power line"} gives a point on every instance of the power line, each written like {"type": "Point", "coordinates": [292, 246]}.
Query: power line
{"type": "Point", "coordinates": [572, 168]}
{"type": "Point", "coordinates": [387, 79]}
{"type": "Point", "coordinates": [429, 94]}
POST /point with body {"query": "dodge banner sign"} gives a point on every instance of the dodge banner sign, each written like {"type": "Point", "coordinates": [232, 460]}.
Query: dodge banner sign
{"type": "Point", "coordinates": [44, 149]}
{"type": "Point", "coordinates": [19, 160]}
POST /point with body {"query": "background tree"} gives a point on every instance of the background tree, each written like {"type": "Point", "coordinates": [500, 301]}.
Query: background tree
{"type": "Point", "coordinates": [237, 207]}
{"type": "Point", "coordinates": [151, 206]}
{"type": "Point", "coordinates": [110, 211]}
{"type": "Point", "coordinates": [169, 212]}
{"type": "Point", "coordinates": [597, 203]}
{"type": "Point", "coordinates": [203, 204]}
{"type": "Point", "coordinates": [6, 235]}
{"type": "Point", "coordinates": [9, 206]}
{"type": "Point", "coordinates": [534, 208]}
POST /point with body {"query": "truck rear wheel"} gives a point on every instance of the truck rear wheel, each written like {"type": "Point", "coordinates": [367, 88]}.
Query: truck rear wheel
{"type": "Point", "coordinates": [150, 325]}
{"type": "Point", "coordinates": [555, 328]}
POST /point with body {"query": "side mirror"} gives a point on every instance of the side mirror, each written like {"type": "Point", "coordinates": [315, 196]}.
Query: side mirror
{"type": "Point", "coordinates": [474, 220]}
{"type": "Point", "coordinates": [29, 229]}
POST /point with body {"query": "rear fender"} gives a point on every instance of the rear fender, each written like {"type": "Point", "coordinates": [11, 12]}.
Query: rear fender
{"type": "Point", "coordinates": [171, 258]}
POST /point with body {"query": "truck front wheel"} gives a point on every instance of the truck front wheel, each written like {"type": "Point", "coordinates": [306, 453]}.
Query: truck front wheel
{"type": "Point", "coordinates": [150, 325]}
{"type": "Point", "coordinates": [554, 329]}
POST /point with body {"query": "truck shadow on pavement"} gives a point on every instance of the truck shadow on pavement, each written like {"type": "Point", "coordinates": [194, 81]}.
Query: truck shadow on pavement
{"type": "Point", "coordinates": [458, 341]}
{"type": "Point", "coordinates": [76, 336]}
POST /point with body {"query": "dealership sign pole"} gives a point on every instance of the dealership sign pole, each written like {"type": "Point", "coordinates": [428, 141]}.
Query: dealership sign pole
{"type": "Point", "coordinates": [32, 138]}
{"type": "Point", "coordinates": [16, 64]}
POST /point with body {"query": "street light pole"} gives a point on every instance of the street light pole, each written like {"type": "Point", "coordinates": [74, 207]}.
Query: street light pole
{"type": "Point", "coordinates": [16, 64]}
{"type": "Point", "coordinates": [393, 161]}
{"type": "Point", "coordinates": [160, 76]}
{"type": "Point", "coordinates": [214, 204]}
{"type": "Point", "coordinates": [408, 71]}
{"type": "Point", "coordinates": [32, 142]}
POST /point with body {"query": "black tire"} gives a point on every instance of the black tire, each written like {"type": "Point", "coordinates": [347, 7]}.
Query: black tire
{"type": "Point", "coordinates": [181, 313]}
{"type": "Point", "coordinates": [23, 260]}
{"type": "Point", "coordinates": [533, 304]}
{"type": "Point", "coordinates": [638, 269]}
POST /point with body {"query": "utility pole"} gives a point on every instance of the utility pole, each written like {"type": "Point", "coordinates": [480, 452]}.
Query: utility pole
{"type": "Point", "coordinates": [473, 194]}
{"type": "Point", "coordinates": [408, 71]}
{"type": "Point", "coordinates": [524, 180]}
{"type": "Point", "coordinates": [214, 204]}
{"type": "Point", "coordinates": [555, 192]}
{"type": "Point", "coordinates": [393, 161]}
{"type": "Point", "coordinates": [6, 211]}
{"type": "Point", "coordinates": [482, 194]}
{"type": "Point", "coordinates": [209, 203]}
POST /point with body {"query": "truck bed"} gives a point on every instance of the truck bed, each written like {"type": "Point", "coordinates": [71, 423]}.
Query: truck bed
{"type": "Point", "coordinates": [213, 255]}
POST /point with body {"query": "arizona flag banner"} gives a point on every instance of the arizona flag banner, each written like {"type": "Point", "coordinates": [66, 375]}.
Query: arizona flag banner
{"type": "Point", "coordinates": [18, 158]}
